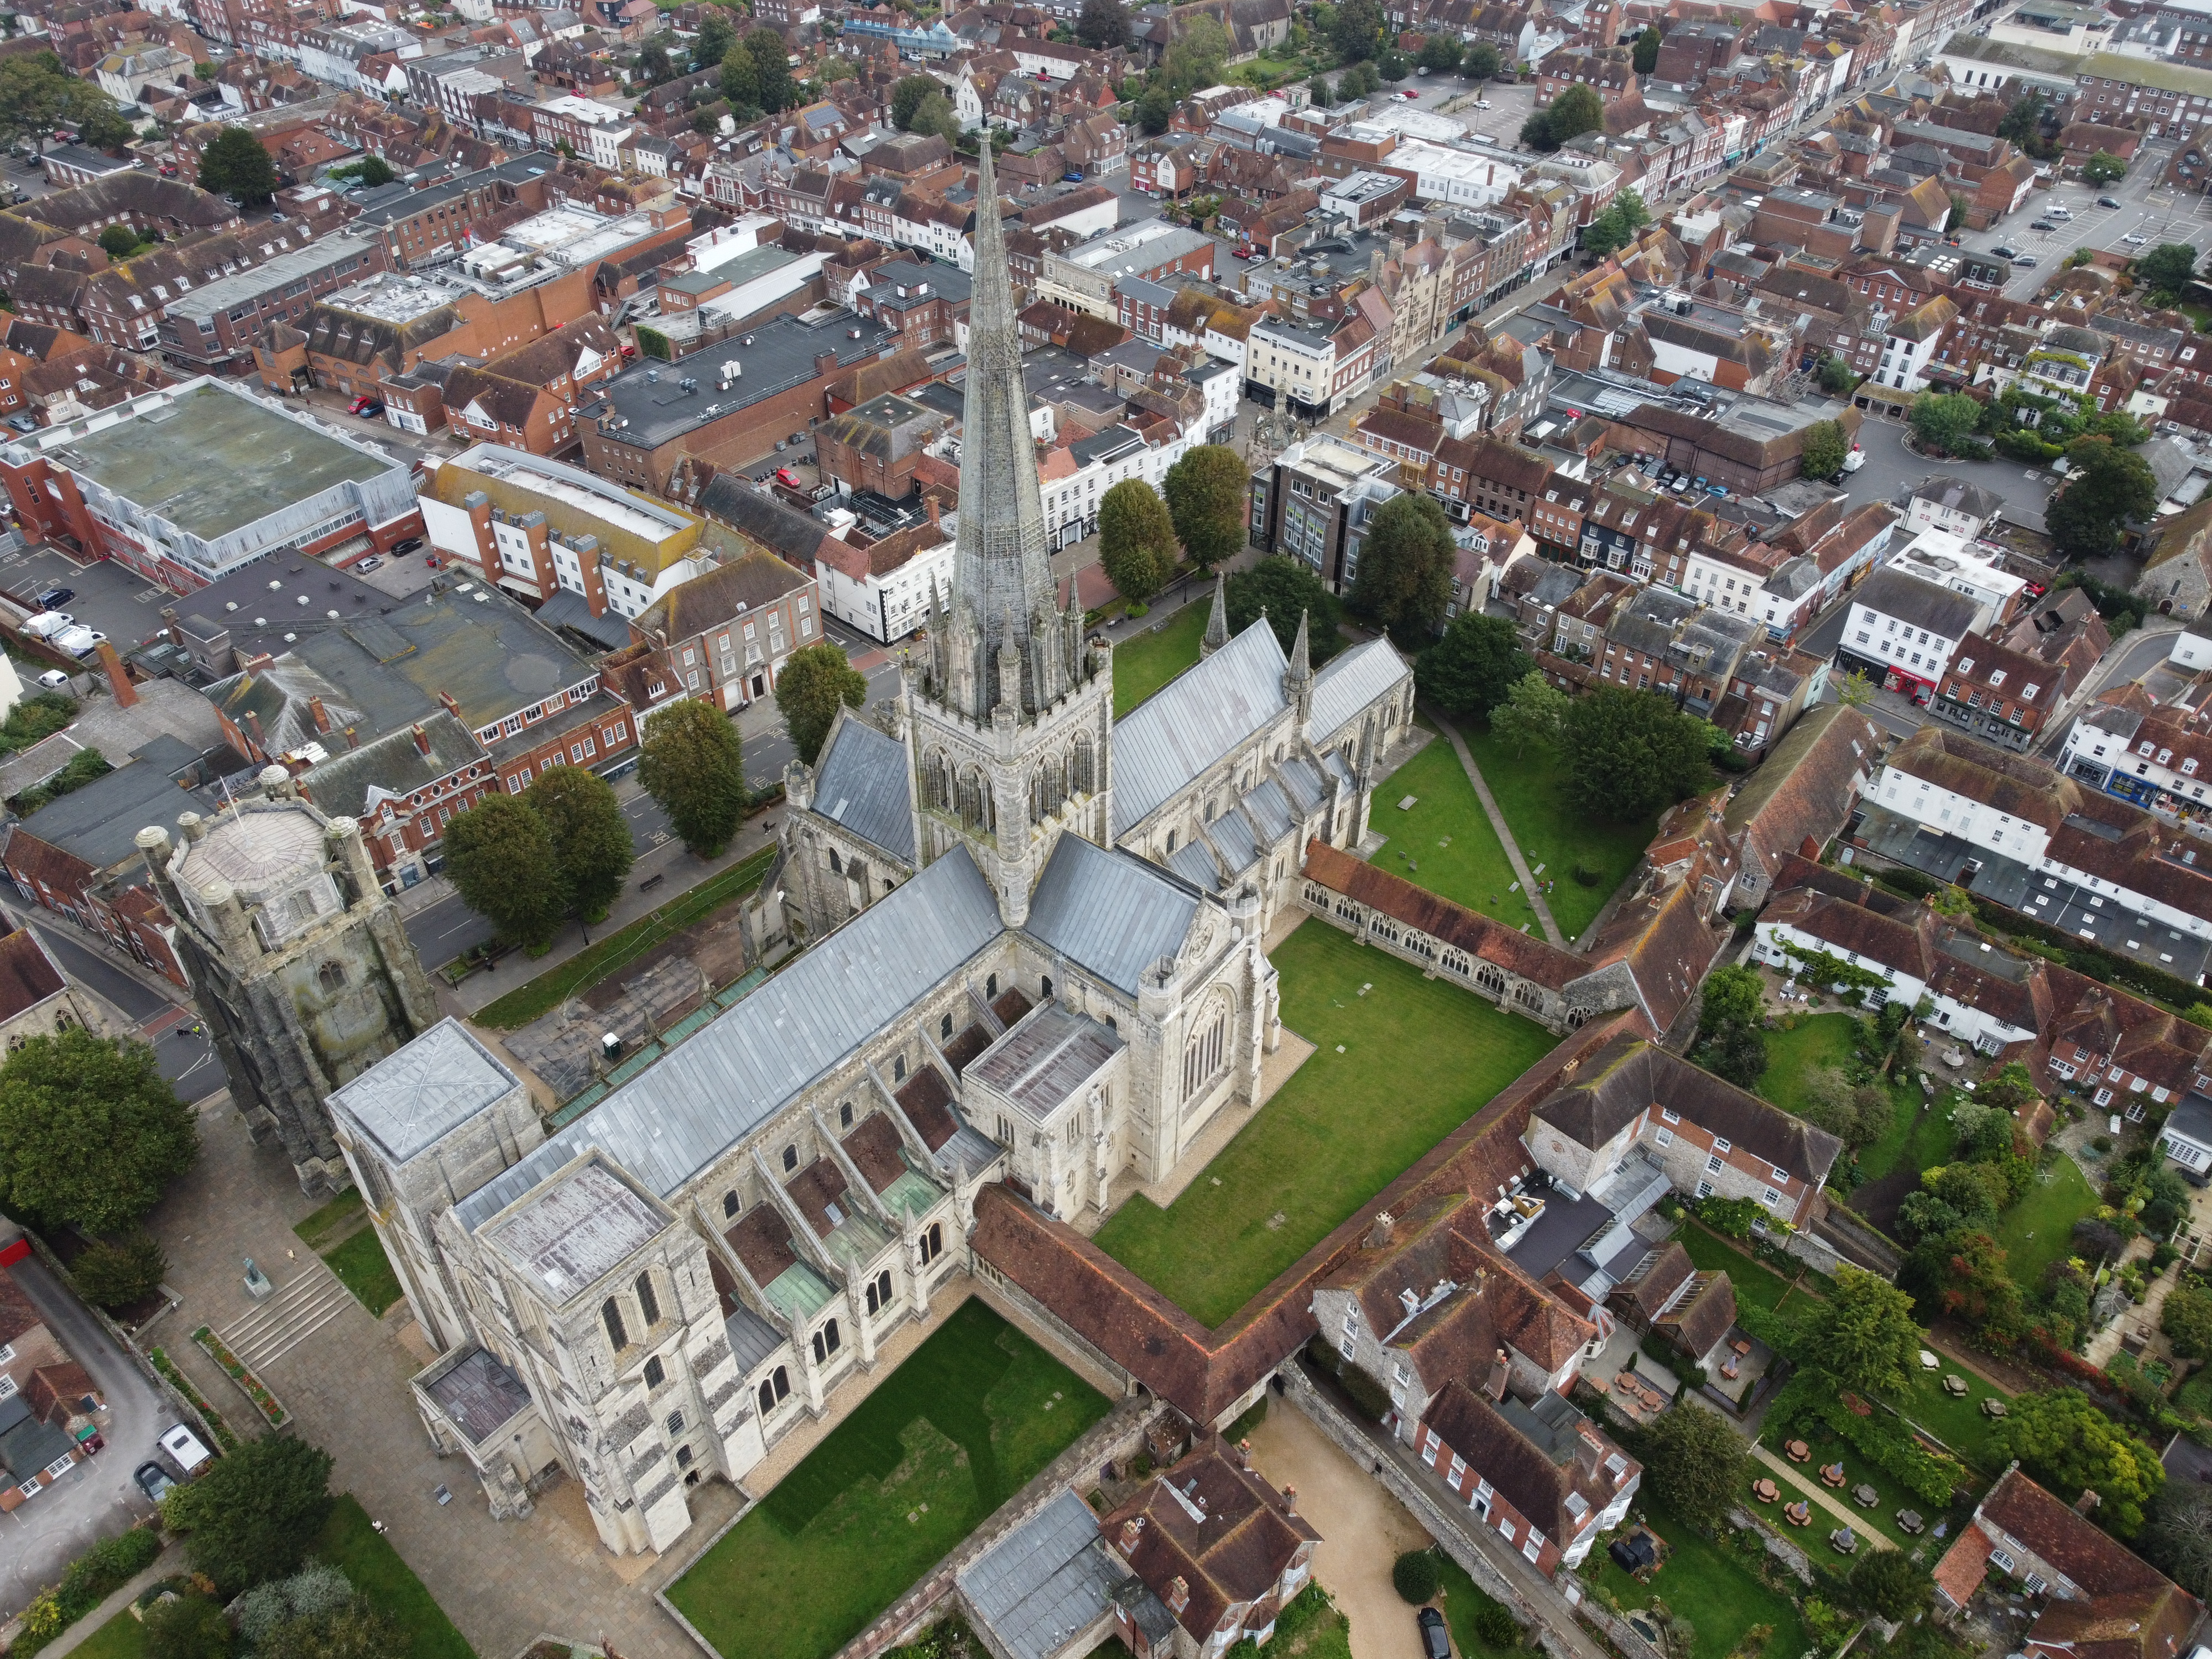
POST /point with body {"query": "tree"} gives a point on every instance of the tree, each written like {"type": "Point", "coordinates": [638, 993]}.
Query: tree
{"type": "Point", "coordinates": [1617, 226]}
{"type": "Point", "coordinates": [1855, 689]}
{"type": "Point", "coordinates": [499, 855]}
{"type": "Point", "coordinates": [1155, 110]}
{"type": "Point", "coordinates": [1827, 444]}
{"type": "Point", "coordinates": [187, 1627]}
{"type": "Point", "coordinates": [1475, 666]}
{"type": "Point", "coordinates": [205, 71]}
{"type": "Point", "coordinates": [907, 96]}
{"type": "Point", "coordinates": [1406, 568]}
{"type": "Point", "coordinates": [1535, 712]}
{"type": "Point", "coordinates": [934, 115]}
{"type": "Point", "coordinates": [2177, 1539]}
{"type": "Point", "coordinates": [90, 1132]}
{"type": "Point", "coordinates": [114, 1275]}
{"type": "Point", "coordinates": [1207, 492]}
{"type": "Point", "coordinates": [1480, 62]}
{"type": "Point", "coordinates": [2169, 268]}
{"type": "Point", "coordinates": [253, 1515]}
{"type": "Point", "coordinates": [99, 123]}
{"type": "Point", "coordinates": [772, 64]}
{"type": "Point", "coordinates": [2067, 1445]}
{"type": "Point", "coordinates": [1696, 1463]}
{"type": "Point", "coordinates": [1959, 208]}
{"type": "Point", "coordinates": [119, 241]}
{"type": "Point", "coordinates": [1891, 1583]}
{"type": "Point", "coordinates": [1136, 540]}
{"type": "Point", "coordinates": [1645, 58]}
{"type": "Point", "coordinates": [1357, 32]}
{"type": "Point", "coordinates": [1836, 376]}
{"type": "Point", "coordinates": [741, 79]}
{"type": "Point", "coordinates": [2023, 121]}
{"type": "Point", "coordinates": [2186, 1319]}
{"type": "Point", "coordinates": [815, 683]}
{"type": "Point", "coordinates": [1323, 94]}
{"type": "Point", "coordinates": [1440, 53]}
{"type": "Point", "coordinates": [1103, 26]}
{"type": "Point", "coordinates": [236, 165]}
{"type": "Point", "coordinates": [717, 35]}
{"type": "Point", "coordinates": [1944, 420]}
{"type": "Point", "coordinates": [1629, 753]}
{"type": "Point", "coordinates": [1731, 1016]}
{"type": "Point", "coordinates": [1201, 46]}
{"type": "Point", "coordinates": [1864, 1336]}
{"type": "Point", "coordinates": [358, 1629]}
{"type": "Point", "coordinates": [1573, 112]}
{"type": "Point", "coordinates": [591, 849]}
{"type": "Point", "coordinates": [2106, 487]}
{"type": "Point", "coordinates": [1358, 82]}
{"type": "Point", "coordinates": [376, 170]}
{"type": "Point", "coordinates": [1283, 590]}
{"type": "Point", "coordinates": [38, 96]}
{"type": "Point", "coordinates": [2104, 169]}
{"type": "Point", "coordinates": [1414, 1576]}
{"type": "Point", "coordinates": [652, 66]}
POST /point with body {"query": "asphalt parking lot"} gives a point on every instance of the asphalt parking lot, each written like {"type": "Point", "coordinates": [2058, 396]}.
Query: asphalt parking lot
{"type": "Point", "coordinates": [108, 597]}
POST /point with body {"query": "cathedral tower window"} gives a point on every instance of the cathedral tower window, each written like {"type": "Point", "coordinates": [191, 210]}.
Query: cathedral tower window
{"type": "Point", "coordinates": [936, 779]}
{"type": "Point", "coordinates": [1085, 781]}
{"type": "Point", "coordinates": [825, 1341]}
{"type": "Point", "coordinates": [1045, 981]}
{"type": "Point", "coordinates": [655, 1373]}
{"type": "Point", "coordinates": [990, 987]}
{"type": "Point", "coordinates": [612, 1316]}
{"type": "Point", "coordinates": [898, 1068]}
{"type": "Point", "coordinates": [730, 1205]}
{"type": "Point", "coordinates": [844, 1113]}
{"type": "Point", "coordinates": [932, 1243]}
{"type": "Point", "coordinates": [879, 1292]}
{"type": "Point", "coordinates": [790, 1158]}
{"type": "Point", "coordinates": [945, 1028]}
{"type": "Point", "coordinates": [331, 975]}
{"type": "Point", "coordinates": [648, 1305]}
{"type": "Point", "coordinates": [836, 866]}
{"type": "Point", "coordinates": [1202, 1056]}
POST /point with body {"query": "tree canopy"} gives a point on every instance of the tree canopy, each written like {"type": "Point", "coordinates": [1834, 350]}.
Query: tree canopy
{"type": "Point", "coordinates": [2169, 268]}
{"type": "Point", "coordinates": [1534, 713]}
{"type": "Point", "coordinates": [1102, 25]}
{"type": "Point", "coordinates": [499, 855]}
{"type": "Point", "coordinates": [253, 1515]}
{"type": "Point", "coordinates": [1697, 1466]}
{"type": "Point", "coordinates": [717, 34]}
{"type": "Point", "coordinates": [1475, 666]}
{"type": "Point", "coordinates": [2177, 1538]}
{"type": "Point", "coordinates": [2104, 169]}
{"type": "Point", "coordinates": [1480, 62]}
{"type": "Point", "coordinates": [1208, 491]}
{"type": "Point", "coordinates": [1136, 540]}
{"type": "Point", "coordinates": [91, 1133]}
{"type": "Point", "coordinates": [1573, 112]}
{"type": "Point", "coordinates": [1892, 1584]}
{"type": "Point", "coordinates": [2067, 1445]}
{"type": "Point", "coordinates": [907, 96]}
{"type": "Point", "coordinates": [591, 847]}
{"type": "Point", "coordinates": [1864, 1336]}
{"type": "Point", "coordinates": [1944, 420]}
{"type": "Point", "coordinates": [1405, 565]}
{"type": "Point", "coordinates": [1629, 753]}
{"type": "Point", "coordinates": [235, 164]}
{"type": "Point", "coordinates": [815, 683]}
{"type": "Point", "coordinates": [1285, 589]}
{"type": "Point", "coordinates": [1356, 30]}
{"type": "Point", "coordinates": [1731, 1019]}
{"type": "Point", "coordinates": [1645, 56]}
{"type": "Point", "coordinates": [1201, 46]}
{"type": "Point", "coordinates": [690, 763]}
{"type": "Point", "coordinates": [1440, 53]}
{"type": "Point", "coordinates": [1615, 228]}
{"type": "Point", "coordinates": [1826, 446]}
{"type": "Point", "coordinates": [2106, 486]}
{"type": "Point", "coordinates": [39, 97]}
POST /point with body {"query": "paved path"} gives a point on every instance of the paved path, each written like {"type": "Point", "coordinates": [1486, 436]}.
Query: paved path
{"type": "Point", "coordinates": [1505, 834]}
{"type": "Point", "coordinates": [167, 1565]}
{"type": "Point", "coordinates": [1854, 1519]}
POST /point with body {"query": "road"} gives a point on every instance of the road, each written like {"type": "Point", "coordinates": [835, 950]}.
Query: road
{"type": "Point", "coordinates": [96, 1500]}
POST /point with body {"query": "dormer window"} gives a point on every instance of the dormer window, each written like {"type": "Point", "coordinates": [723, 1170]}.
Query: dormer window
{"type": "Point", "coordinates": [1996, 677]}
{"type": "Point", "coordinates": [1966, 664]}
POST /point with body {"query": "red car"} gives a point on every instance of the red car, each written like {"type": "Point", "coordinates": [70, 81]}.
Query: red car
{"type": "Point", "coordinates": [784, 475]}
{"type": "Point", "coordinates": [367, 404]}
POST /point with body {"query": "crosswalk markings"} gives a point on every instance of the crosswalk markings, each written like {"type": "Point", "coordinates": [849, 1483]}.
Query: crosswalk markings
{"type": "Point", "coordinates": [309, 1301]}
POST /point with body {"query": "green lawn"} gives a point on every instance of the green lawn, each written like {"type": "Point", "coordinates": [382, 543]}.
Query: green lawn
{"type": "Point", "coordinates": [1919, 1138]}
{"type": "Point", "coordinates": [120, 1638]}
{"type": "Point", "coordinates": [1144, 664]}
{"type": "Point", "coordinates": [1444, 842]}
{"type": "Point", "coordinates": [1881, 1519]}
{"type": "Point", "coordinates": [332, 1221]}
{"type": "Point", "coordinates": [1421, 1057]}
{"type": "Point", "coordinates": [373, 1567]}
{"type": "Point", "coordinates": [1958, 1424]}
{"type": "Point", "coordinates": [1822, 1040]}
{"type": "Point", "coordinates": [1555, 835]}
{"type": "Point", "coordinates": [1754, 1282]}
{"type": "Point", "coordinates": [1460, 1598]}
{"type": "Point", "coordinates": [1716, 1590]}
{"type": "Point", "coordinates": [944, 1440]}
{"type": "Point", "coordinates": [363, 1268]}
{"type": "Point", "coordinates": [2039, 1228]}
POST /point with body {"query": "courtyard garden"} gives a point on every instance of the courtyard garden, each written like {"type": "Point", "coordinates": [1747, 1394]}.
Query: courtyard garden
{"type": "Point", "coordinates": [1399, 1062]}
{"type": "Point", "coordinates": [340, 1232]}
{"type": "Point", "coordinates": [1754, 1281]}
{"type": "Point", "coordinates": [1705, 1582]}
{"type": "Point", "coordinates": [1814, 1041]}
{"type": "Point", "coordinates": [1443, 842]}
{"type": "Point", "coordinates": [950, 1435]}
{"type": "Point", "coordinates": [1143, 665]}
{"type": "Point", "coordinates": [2038, 1230]}
{"type": "Point", "coordinates": [1588, 858]}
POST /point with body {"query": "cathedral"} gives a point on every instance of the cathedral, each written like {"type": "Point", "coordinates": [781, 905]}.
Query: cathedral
{"type": "Point", "coordinates": [1031, 955]}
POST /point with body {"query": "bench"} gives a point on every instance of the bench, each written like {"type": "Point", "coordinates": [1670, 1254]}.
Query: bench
{"type": "Point", "coordinates": [652, 881]}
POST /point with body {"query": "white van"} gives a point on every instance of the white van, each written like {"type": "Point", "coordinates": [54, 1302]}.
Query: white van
{"type": "Point", "coordinates": [181, 1444]}
{"type": "Point", "coordinates": [48, 623]}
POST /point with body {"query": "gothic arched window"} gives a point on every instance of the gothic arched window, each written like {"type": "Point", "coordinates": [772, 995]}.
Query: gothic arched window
{"type": "Point", "coordinates": [1086, 780]}
{"type": "Point", "coordinates": [612, 1314]}
{"type": "Point", "coordinates": [1204, 1054]}
{"type": "Point", "coordinates": [331, 975]}
{"type": "Point", "coordinates": [936, 779]}
{"type": "Point", "coordinates": [648, 1305]}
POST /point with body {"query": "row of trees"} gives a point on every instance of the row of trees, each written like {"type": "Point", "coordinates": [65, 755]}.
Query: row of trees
{"type": "Point", "coordinates": [1202, 514]}
{"type": "Point", "coordinates": [1447, 54]}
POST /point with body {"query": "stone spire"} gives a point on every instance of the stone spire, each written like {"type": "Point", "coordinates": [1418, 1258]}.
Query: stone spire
{"type": "Point", "coordinates": [1297, 677]}
{"type": "Point", "coordinates": [1217, 621]}
{"type": "Point", "coordinates": [999, 573]}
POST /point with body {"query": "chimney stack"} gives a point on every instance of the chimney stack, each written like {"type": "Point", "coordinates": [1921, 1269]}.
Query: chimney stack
{"type": "Point", "coordinates": [352, 738]}
{"type": "Point", "coordinates": [118, 682]}
{"type": "Point", "coordinates": [1178, 1595]}
{"type": "Point", "coordinates": [253, 726]}
{"type": "Point", "coordinates": [322, 718]}
{"type": "Point", "coordinates": [1245, 1454]}
{"type": "Point", "coordinates": [1379, 1234]}
{"type": "Point", "coordinates": [2087, 1501]}
{"type": "Point", "coordinates": [1291, 1500]}
{"type": "Point", "coordinates": [421, 740]}
{"type": "Point", "coordinates": [1132, 1529]}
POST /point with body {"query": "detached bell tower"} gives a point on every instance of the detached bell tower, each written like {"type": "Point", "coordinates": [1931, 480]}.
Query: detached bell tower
{"type": "Point", "coordinates": [1011, 711]}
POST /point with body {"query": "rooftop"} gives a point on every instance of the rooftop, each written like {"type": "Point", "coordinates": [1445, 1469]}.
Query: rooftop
{"type": "Point", "coordinates": [573, 1230]}
{"type": "Point", "coordinates": [654, 404]}
{"type": "Point", "coordinates": [432, 1086]}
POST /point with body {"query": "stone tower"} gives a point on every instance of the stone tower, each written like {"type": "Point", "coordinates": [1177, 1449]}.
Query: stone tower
{"type": "Point", "coordinates": [297, 960]}
{"type": "Point", "coordinates": [1009, 720]}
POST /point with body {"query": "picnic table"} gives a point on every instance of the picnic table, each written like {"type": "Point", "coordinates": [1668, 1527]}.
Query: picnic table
{"type": "Point", "coordinates": [1865, 1496]}
{"type": "Point", "coordinates": [1798, 1452]}
{"type": "Point", "coordinates": [1993, 1407]}
{"type": "Point", "coordinates": [1954, 1385]}
{"type": "Point", "coordinates": [1764, 1490]}
{"type": "Point", "coordinates": [1909, 1520]}
{"type": "Point", "coordinates": [1799, 1514]}
{"type": "Point", "coordinates": [1832, 1475]}
{"type": "Point", "coordinates": [1843, 1541]}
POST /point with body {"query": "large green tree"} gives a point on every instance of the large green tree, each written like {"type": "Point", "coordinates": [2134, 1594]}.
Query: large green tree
{"type": "Point", "coordinates": [1892, 1584]}
{"type": "Point", "coordinates": [90, 1131]}
{"type": "Point", "coordinates": [1533, 715]}
{"type": "Point", "coordinates": [907, 96]}
{"type": "Point", "coordinates": [2104, 169]}
{"type": "Point", "coordinates": [39, 97]}
{"type": "Point", "coordinates": [2068, 1446]}
{"type": "Point", "coordinates": [1404, 577]}
{"type": "Point", "coordinates": [1475, 666]}
{"type": "Point", "coordinates": [1285, 589]}
{"type": "Point", "coordinates": [1136, 540]}
{"type": "Point", "coordinates": [2169, 268]}
{"type": "Point", "coordinates": [254, 1514]}
{"type": "Point", "coordinates": [1864, 1336]}
{"type": "Point", "coordinates": [1731, 1025]}
{"type": "Point", "coordinates": [1102, 25]}
{"type": "Point", "coordinates": [236, 165]}
{"type": "Point", "coordinates": [2187, 1320]}
{"type": "Point", "coordinates": [741, 80]}
{"type": "Point", "coordinates": [1645, 56]}
{"type": "Point", "coordinates": [499, 855]}
{"type": "Point", "coordinates": [116, 1273]}
{"type": "Point", "coordinates": [815, 683]}
{"type": "Point", "coordinates": [1629, 753]}
{"type": "Point", "coordinates": [772, 65]}
{"type": "Point", "coordinates": [1944, 420]}
{"type": "Point", "coordinates": [1208, 491]}
{"type": "Point", "coordinates": [2023, 120]}
{"type": "Point", "coordinates": [717, 34]}
{"type": "Point", "coordinates": [1440, 53]}
{"type": "Point", "coordinates": [690, 763]}
{"type": "Point", "coordinates": [1696, 1465]}
{"type": "Point", "coordinates": [2177, 1538]}
{"type": "Point", "coordinates": [1573, 112]}
{"type": "Point", "coordinates": [2106, 487]}
{"type": "Point", "coordinates": [1616, 227]}
{"type": "Point", "coordinates": [1827, 445]}
{"type": "Point", "coordinates": [358, 1630]}
{"type": "Point", "coordinates": [186, 1626]}
{"type": "Point", "coordinates": [1193, 60]}
{"type": "Point", "coordinates": [1480, 62]}
{"type": "Point", "coordinates": [591, 849]}
{"type": "Point", "coordinates": [1357, 32]}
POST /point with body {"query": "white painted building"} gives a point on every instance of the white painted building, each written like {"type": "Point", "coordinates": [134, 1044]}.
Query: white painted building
{"type": "Point", "coordinates": [1985, 1029]}
{"type": "Point", "coordinates": [890, 604]}
{"type": "Point", "coordinates": [1901, 629]}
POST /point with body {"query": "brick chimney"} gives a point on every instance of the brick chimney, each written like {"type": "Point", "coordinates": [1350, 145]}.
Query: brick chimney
{"type": "Point", "coordinates": [1132, 1529]}
{"type": "Point", "coordinates": [930, 502]}
{"type": "Point", "coordinates": [352, 738]}
{"type": "Point", "coordinates": [1290, 1500]}
{"type": "Point", "coordinates": [452, 708]}
{"type": "Point", "coordinates": [1243, 1454]}
{"type": "Point", "coordinates": [118, 681]}
{"type": "Point", "coordinates": [1379, 1234]}
{"type": "Point", "coordinates": [253, 726]}
{"type": "Point", "coordinates": [2087, 1501]}
{"type": "Point", "coordinates": [421, 740]}
{"type": "Point", "coordinates": [322, 718]}
{"type": "Point", "coordinates": [1178, 1595]}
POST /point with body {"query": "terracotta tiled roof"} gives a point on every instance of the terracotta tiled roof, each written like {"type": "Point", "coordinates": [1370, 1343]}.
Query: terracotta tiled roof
{"type": "Point", "coordinates": [1521, 953]}
{"type": "Point", "coordinates": [1964, 1566]}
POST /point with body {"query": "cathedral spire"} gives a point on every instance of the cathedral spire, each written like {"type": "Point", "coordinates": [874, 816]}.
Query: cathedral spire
{"type": "Point", "coordinates": [1297, 677]}
{"type": "Point", "coordinates": [1217, 620]}
{"type": "Point", "coordinates": [1000, 570]}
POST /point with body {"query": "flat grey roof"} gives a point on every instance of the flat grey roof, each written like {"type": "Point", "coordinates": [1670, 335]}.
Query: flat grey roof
{"type": "Point", "coordinates": [1046, 1582]}
{"type": "Point", "coordinates": [655, 408]}
{"type": "Point", "coordinates": [240, 286]}
{"type": "Point", "coordinates": [215, 461]}
{"type": "Point", "coordinates": [410, 1099]}
{"type": "Point", "coordinates": [573, 1233]}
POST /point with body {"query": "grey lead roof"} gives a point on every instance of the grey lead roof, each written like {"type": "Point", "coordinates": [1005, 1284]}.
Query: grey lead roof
{"type": "Point", "coordinates": [1112, 912]}
{"type": "Point", "coordinates": [704, 1096]}
{"type": "Point", "coordinates": [1349, 683]}
{"type": "Point", "coordinates": [410, 1099]}
{"type": "Point", "coordinates": [864, 788]}
{"type": "Point", "coordinates": [1190, 724]}
{"type": "Point", "coordinates": [578, 1230]}
{"type": "Point", "coordinates": [1050, 1055]}
{"type": "Point", "coordinates": [753, 1339]}
{"type": "Point", "coordinates": [1046, 1583]}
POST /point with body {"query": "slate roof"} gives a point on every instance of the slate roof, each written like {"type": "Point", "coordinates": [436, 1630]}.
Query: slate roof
{"type": "Point", "coordinates": [1048, 1579]}
{"type": "Point", "coordinates": [1479, 936]}
{"type": "Point", "coordinates": [1111, 912]}
{"type": "Point", "coordinates": [100, 822]}
{"type": "Point", "coordinates": [863, 786]}
{"type": "Point", "coordinates": [1890, 593]}
{"type": "Point", "coordinates": [1190, 724]}
{"type": "Point", "coordinates": [1499, 1446]}
{"type": "Point", "coordinates": [1352, 681]}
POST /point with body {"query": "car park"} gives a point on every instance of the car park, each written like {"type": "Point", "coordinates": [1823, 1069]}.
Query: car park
{"type": "Point", "coordinates": [181, 1444]}
{"type": "Point", "coordinates": [154, 1481]}
{"type": "Point", "coordinates": [1436, 1640]}
{"type": "Point", "coordinates": [54, 598]}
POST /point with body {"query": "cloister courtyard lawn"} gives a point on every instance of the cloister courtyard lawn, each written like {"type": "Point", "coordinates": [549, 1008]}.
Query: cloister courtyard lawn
{"type": "Point", "coordinates": [1554, 834]}
{"type": "Point", "coordinates": [944, 1440]}
{"type": "Point", "coordinates": [1444, 842]}
{"type": "Point", "coordinates": [1419, 1058]}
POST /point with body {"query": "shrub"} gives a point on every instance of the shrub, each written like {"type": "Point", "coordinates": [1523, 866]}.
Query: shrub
{"type": "Point", "coordinates": [105, 1568]}
{"type": "Point", "coordinates": [1371, 1396]}
{"type": "Point", "coordinates": [1493, 1625]}
{"type": "Point", "coordinates": [115, 1274]}
{"type": "Point", "coordinates": [188, 1627]}
{"type": "Point", "coordinates": [1414, 1576]}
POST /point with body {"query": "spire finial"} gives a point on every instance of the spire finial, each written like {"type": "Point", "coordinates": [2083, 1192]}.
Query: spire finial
{"type": "Point", "coordinates": [1301, 666]}
{"type": "Point", "coordinates": [1217, 621]}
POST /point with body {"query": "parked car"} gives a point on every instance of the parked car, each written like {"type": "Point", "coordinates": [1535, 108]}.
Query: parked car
{"type": "Point", "coordinates": [54, 598]}
{"type": "Point", "coordinates": [154, 1481]}
{"type": "Point", "coordinates": [1855, 460]}
{"type": "Point", "coordinates": [48, 623]}
{"type": "Point", "coordinates": [366, 401]}
{"type": "Point", "coordinates": [1436, 1640]}
{"type": "Point", "coordinates": [2058, 212]}
{"type": "Point", "coordinates": [786, 476]}
{"type": "Point", "coordinates": [2025, 260]}
{"type": "Point", "coordinates": [181, 1444]}
{"type": "Point", "coordinates": [2135, 239]}
{"type": "Point", "coordinates": [2043, 224]}
{"type": "Point", "coordinates": [372, 562]}
{"type": "Point", "coordinates": [411, 545]}
{"type": "Point", "coordinates": [2001, 252]}
{"type": "Point", "coordinates": [78, 641]}
{"type": "Point", "coordinates": [2107, 202]}
{"type": "Point", "coordinates": [1482, 103]}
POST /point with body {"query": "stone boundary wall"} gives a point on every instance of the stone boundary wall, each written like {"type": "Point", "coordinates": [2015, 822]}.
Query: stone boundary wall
{"type": "Point", "coordinates": [1857, 1241]}
{"type": "Point", "coordinates": [1816, 1253]}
